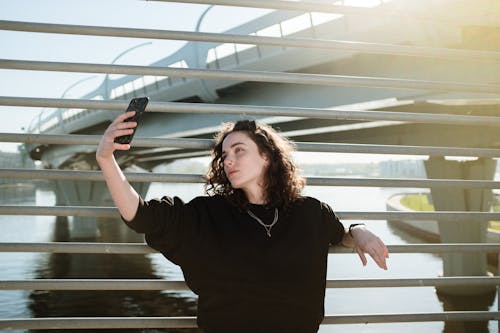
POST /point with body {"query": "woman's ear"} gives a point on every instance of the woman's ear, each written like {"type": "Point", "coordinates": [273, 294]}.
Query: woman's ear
{"type": "Point", "coordinates": [266, 158]}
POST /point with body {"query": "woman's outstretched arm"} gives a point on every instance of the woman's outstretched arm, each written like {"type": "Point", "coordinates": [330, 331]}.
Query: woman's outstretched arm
{"type": "Point", "coordinates": [124, 196]}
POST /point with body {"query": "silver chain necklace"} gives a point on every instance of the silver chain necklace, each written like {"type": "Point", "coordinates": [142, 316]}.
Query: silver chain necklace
{"type": "Point", "coordinates": [268, 227]}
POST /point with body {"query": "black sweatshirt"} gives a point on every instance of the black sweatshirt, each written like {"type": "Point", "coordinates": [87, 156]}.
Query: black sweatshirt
{"type": "Point", "coordinates": [246, 281]}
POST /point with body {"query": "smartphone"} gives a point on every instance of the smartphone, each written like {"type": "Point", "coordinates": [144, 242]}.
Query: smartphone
{"type": "Point", "coordinates": [139, 106]}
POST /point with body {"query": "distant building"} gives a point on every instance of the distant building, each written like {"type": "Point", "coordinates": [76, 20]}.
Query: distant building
{"type": "Point", "coordinates": [15, 160]}
{"type": "Point", "coordinates": [402, 169]}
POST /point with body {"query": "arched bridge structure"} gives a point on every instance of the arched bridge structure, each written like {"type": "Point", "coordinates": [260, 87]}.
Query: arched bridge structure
{"type": "Point", "coordinates": [385, 77]}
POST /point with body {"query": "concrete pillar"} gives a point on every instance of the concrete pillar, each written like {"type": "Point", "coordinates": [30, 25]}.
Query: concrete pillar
{"type": "Point", "coordinates": [80, 193]}
{"type": "Point", "coordinates": [87, 193]}
{"type": "Point", "coordinates": [459, 199]}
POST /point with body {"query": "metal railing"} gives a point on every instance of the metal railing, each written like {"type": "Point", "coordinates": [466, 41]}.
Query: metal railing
{"type": "Point", "coordinates": [375, 48]}
{"type": "Point", "coordinates": [111, 212]}
{"type": "Point", "coordinates": [256, 76]}
{"type": "Point", "coordinates": [134, 248]}
{"type": "Point", "coordinates": [190, 322]}
{"type": "Point", "coordinates": [206, 144]}
{"type": "Point", "coordinates": [192, 178]}
{"type": "Point", "coordinates": [200, 108]}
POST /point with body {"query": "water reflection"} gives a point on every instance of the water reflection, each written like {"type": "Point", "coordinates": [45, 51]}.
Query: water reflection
{"type": "Point", "coordinates": [454, 302]}
{"type": "Point", "coordinates": [105, 303]}
{"type": "Point", "coordinates": [466, 303]}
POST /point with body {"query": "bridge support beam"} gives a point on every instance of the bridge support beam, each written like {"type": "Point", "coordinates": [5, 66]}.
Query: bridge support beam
{"type": "Point", "coordinates": [87, 193]}
{"type": "Point", "coordinates": [460, 199]}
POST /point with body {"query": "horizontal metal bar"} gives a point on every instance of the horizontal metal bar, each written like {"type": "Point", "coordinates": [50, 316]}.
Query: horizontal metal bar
{"type": "Point", "coordinates": [396, 149]}
{"type": "Point", "coordinates": [408, 183]}
{"type": "Point", "coordinates": [93, 140]}
{"type": "Point", "coordinates": [190, 322]}
{"type": "Point", "coordinates": [255, 76]}
{"type": "Point", "coordinates": [412, 317]}
{"type": "Point", "coordinates": [205, 108]}
{"type": "Point", "coordinates": [98, 176]}
{"type": "Point", "coordinates": [193, 178]}
{"type": "Point", "coordinates": [410, 282]}
{"type": "Point", "coordinates": [437, 248]}
{"type": "Point", "coordinates": [454, 216]}
{"type": "Point", "coordinates": [92, 284]}
{"type": "Point", "coordinates": [60, 211]}
{"type": "Point", "coordinates": [207, 144]}
{"type": "Point", "coordinates": [155, 284]}
{"type": "Point", "coordinates": [98, 323]}
{"type": "Point", "coordinates": [140, 248]}
{"type": "Point", "coordinates": [72, 247]}
{"type": "Point", "coordinates": [376, 48]}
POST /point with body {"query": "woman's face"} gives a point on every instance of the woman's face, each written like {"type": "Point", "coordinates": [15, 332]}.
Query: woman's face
{"type": "Point", "coordinates": [244, 165]}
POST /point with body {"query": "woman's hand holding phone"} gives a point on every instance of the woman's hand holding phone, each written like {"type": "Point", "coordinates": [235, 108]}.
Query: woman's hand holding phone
{"type": "Point", "coordinates": [139, 106]}
{"type": "Point", "coordinates": [121, 131]}
{"type": "Point", "coordinates": [118, 128]}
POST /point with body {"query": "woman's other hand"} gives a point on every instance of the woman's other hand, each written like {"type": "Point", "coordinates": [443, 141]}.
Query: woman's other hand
{"type": "Point", "coordinates": [367, 242]}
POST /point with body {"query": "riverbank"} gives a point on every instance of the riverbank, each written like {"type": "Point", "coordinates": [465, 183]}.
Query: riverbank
{"type": "Point", "coordinates": [429, 230]}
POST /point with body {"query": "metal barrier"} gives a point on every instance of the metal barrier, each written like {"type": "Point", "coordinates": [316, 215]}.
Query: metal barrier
{"type": "Point", "coordinates": [111, 212]}
{"type": "Point", "coordinates": [200, 108]}
{"type": "Point", "coordinates": [190, 322]}
{"type": "Point", "coordinates": [443, 53]}
{"type": "Point", "coordinates": [190, 178]}
{"type": "Point", "coordinates": [256, 76]}
{"type": "Point", "coordinates": [331, 113]}
{"type": "Point", "coordinates": [206, 144]}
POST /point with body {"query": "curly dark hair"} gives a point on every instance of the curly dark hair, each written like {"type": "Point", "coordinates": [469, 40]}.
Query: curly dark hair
{"type": "Point", "coordinates": [282, 184]}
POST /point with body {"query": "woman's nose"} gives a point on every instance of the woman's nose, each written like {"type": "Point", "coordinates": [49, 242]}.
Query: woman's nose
{"type": "Point", "coordinates": [228, 161]}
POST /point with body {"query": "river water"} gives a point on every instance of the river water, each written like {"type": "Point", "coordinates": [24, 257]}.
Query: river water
{"type": "Point", "coordinates": [26, 304]}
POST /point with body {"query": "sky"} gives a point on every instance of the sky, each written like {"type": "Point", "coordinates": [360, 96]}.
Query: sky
{"type": "Point", "coordinates": [94, 49]}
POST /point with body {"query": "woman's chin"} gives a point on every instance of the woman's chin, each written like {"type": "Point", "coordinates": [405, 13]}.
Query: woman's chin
{"type": "Point", "coordinates": [235, 185]}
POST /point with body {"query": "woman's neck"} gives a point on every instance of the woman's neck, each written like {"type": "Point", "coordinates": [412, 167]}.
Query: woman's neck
{"type": "Point", "coordinates": [256, 196]}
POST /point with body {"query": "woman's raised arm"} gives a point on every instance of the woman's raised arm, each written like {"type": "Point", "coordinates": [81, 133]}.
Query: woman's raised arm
{"type": "Point", "coordinates": [124, 196]}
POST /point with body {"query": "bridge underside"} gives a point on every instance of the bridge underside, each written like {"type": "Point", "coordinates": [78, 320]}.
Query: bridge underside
{"type": "Point", "coordinates": [312, 96]}
{"type": "Point", "coordinates": [309, 130]}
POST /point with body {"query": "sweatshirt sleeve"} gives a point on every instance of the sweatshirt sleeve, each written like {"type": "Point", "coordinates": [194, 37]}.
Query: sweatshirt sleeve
{"type": "Point", "coordinates": [169, 226]}
{"type": "Point", "coordinates": [336, 230]}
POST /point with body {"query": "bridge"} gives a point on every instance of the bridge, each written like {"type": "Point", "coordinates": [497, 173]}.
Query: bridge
{"type": "Point", "coordinates": [394, 77]}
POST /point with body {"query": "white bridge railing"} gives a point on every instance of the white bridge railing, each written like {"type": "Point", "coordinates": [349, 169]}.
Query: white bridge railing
{"type": "Point", "coordinates": [103, 100]}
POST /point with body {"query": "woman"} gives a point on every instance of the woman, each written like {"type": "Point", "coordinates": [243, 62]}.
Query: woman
{"type": "Point", "coordinates": [254, 250]}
